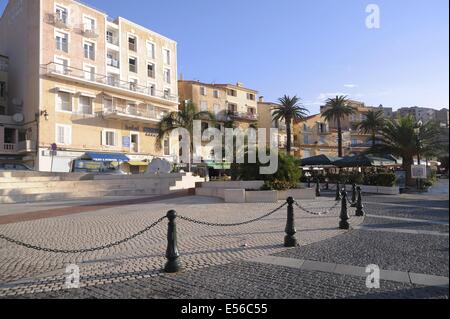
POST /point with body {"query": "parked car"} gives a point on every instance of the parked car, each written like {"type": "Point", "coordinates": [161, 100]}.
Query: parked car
{"type": "Point", "coordinates": [9, 166]}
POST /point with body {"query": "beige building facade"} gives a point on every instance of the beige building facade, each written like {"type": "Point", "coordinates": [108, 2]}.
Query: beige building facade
{"type": "Point", "coordinates": [88, 83]}
{"type": "Point", "coordinates": [227, 102]}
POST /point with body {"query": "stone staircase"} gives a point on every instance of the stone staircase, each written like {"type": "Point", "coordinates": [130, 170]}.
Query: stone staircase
{"type": "Point", "coordinates": [34, 187]}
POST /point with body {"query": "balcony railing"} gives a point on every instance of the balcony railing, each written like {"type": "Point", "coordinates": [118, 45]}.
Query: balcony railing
{"type": "Point", "coordinates": [112, 40]}
{"type": "Point", "coordinates": [58, 21]}
{"type": "Point", "coordinates": [135, 112]}
{"type": "Point", "coordinates": [113, 62]}
{"type": "Point", "coordinates": [90, 33]}
{"type": "Point", "coordinates": [244, 116]}
{"type": "Point", "coordinates": [53, 69]}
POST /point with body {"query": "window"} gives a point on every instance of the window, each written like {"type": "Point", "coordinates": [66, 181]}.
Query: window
{"type": "Point", "coordinates": [167, 93]}
{"type": "Point", "coordinates": [62, 42]}
{"type": "Point", "coordinates": [61, 14]}
{"type": "Point", "coordinates": [109, 36]}
{"type": "Point", "coordinates": [113, 79]}
{"type": "Point", "coordinates": [166, 56]}
{"type": "Point", "coordinates": [62, 65]}
{"type": "Point", "coordinates": [203, 106]}
{"type": "Point", "coordinates": [306, 139]}
{"type": "Point", "coordinates": [167, 78]}
{"type": "Point", "coordinates": [152, 89]}
{"type": "Point", "coordinates": [203, 91]}
{"type": "Point", "coordinates": [167, 146]}
{"type": "Point", "coordinates": [133, 65]}
{"type": "Point", "coordinates": [151, 70]}
{"type": "Point", "coordinates": [306, 153]}
{"type": "Point", "coordinates": [108, 104]}
{"type": "Point", "coordinates": [89, 73]}
{"type": "Point", "coordinates": [89, 24]}
{"type": "Point", "coordinates": [133, 84]}
{"type": "Point", "coordinates": [2, 89]}
{"type": "Point", "coordinates": [109, 138]}
{"type": "Point", "coordinates": [132, 43]}
{"type": "Point", "coordinates": [151, 50]}
{"type": "Point", "coordinates": [216, 94]}
{"type": "Point", "coordinates": [64, 102]}
{"type": "Point", "coordinates": [232, 108]}
{"type": "Point", "coordinates": [250, 96]}
{"type": "Point", "coordinates": [85, 105]}
{"type": "Point", "coordinates": [232, 93]}
{"type": "Point", "coordinates": [63, 134]}
{"type": "Point", "coordinates": [89, 50]}
{"type": "Point", "coordinates": [322, 139]}
{"type": "Point", "coordinates": [355, 142]}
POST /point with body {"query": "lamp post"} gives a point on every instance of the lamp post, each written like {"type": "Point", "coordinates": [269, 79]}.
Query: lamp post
{"type": "Point", "coordinates": [419, 125]}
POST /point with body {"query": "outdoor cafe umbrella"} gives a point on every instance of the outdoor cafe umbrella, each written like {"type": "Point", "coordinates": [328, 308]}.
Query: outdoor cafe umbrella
{"type": "Point", "coordinates": [319, 160]}
{"type": "Point", "coordinates": [364, 161]}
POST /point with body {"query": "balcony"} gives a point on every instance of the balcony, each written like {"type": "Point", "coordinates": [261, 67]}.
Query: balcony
{"type": "Point", "coordinates": [138, 113]}
{"type": "Point", "coordinates": [58, 21]}
{"type": "Point", "coordinates": [104, 82]}
{"type": "Point", "coordinates": [112, 40]}
{"type": "Point", "coordinates": [18, 148]}
{"type": "Point", "coordinates": [90, 33]}
{"type": "Point", "coordinates": [243, 116]}
{"type": "Point", "coordinates": [113, 62]}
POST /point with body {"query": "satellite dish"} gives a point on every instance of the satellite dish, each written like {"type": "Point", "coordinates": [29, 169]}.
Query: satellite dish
{"type": "Point", "coordinates": [159, 166]}
{"type": "Point", "coordinates": [18, 118]}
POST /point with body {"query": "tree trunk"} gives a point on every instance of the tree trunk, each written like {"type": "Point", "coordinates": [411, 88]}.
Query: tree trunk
{"type": "Point", "coordinates": [374, 139]}
{"type": "Point", "coordinates": [340, 153]}
{"type": "Point", "coordinates": [288, 131]}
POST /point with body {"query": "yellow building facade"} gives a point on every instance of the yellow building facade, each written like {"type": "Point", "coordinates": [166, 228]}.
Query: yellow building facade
{"type": "Point", "coordinates": [95, 84]}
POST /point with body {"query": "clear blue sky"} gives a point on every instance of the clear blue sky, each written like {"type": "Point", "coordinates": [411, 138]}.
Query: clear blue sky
{"type": "Point", "coordinates": [310, 48]}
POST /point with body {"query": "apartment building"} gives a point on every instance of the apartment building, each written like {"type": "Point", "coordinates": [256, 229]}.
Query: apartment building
{"type": "Point", "coordinates": [87, 82]}
{"type": "Point", "coordinates": [419, 113]}
{"type": "Point", "coordinates": [228, 102]}
{"type": "Point", "coordinates": [265, 120]}
{"type": "Point", "coordinates": [313, 136]}
{"type": "Point", "coordinates": [4, 61]}
{"type": "Point", "coordinates": [441, 117]}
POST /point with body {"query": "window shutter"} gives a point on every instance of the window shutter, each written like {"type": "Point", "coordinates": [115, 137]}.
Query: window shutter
{"type": "Point", "coordinates": [102, 138]}
{"type": "Point", "coordinates": [68, 135]}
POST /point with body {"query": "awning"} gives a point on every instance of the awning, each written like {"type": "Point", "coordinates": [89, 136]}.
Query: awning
{"type": "Point", "coordinates": [319, 160]}
{"type": "Point", "coordinates": [106, 157]}
{"type": "Point", "coordinates": [65, 90]}
{"type": "Point", "coordinates": [138, 163]}
{"type": "Point", "coordinates": [90, 95]}
{"type": "Point", "coordinates": [364, 161]}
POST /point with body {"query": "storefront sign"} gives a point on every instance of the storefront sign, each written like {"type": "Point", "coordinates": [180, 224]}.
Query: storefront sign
{"type": "Point", "coordinates": [132, 128]}
{"type": "Point", "coordinates": [419, 171]}
{"type": "Point", "coordinates": [149, 131]}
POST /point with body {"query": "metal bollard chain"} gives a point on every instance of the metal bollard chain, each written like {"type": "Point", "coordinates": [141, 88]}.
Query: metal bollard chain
{"type": "Point", "coordinates": [79, 251]}
{"type": "Point", "coordinates": [198, 222]}
{"type": "Point", "coordinates": [315, 213]}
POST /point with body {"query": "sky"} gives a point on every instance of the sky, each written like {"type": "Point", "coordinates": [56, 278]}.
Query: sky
{"type": "Point", "coordinates": [312, 49]}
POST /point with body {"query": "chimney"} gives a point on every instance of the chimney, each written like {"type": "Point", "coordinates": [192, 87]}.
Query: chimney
{"type": "Point", "coordinates": [261, 99]}
{"type": "Point", "coordinates": [181, 77]}
{"type": "Point", "coordinates": [239, 84]}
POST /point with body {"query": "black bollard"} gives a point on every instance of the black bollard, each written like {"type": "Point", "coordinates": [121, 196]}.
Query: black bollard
{"type": "Point", "coordinates": [309, 182]}
{"type": "Point", "coordinates": [343, 224]}
{"type": "Point", "coordinates": [289, 239]}
{"type": "Point", "coordinates": [354, 197]}
{"type": "Point", "coordinates": [173, 264]}
{"type": "Point", "coordinates": [338, 191]}
{"type": "Point", "coordinates": [317, 188]}
{"type": "Point", "coordinates": [359, 205]}
{"type": "Point", "coordinates": [327, 184]}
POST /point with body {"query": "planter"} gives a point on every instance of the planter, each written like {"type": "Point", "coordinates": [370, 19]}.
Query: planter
{"type": "Point", "coordinates": [261, 197]}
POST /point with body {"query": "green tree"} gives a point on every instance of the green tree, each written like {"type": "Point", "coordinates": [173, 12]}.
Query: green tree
{"type": "Point", "coordinates": [184, 118]}
{"type": "Point", "coordinates": [289, 110]}
{"type": "Point", "coordinates": [404, 138]}
{"type": "Point", "coordinates": [373, 123]}
{"type": "Point", "coordinates": [337, 109]}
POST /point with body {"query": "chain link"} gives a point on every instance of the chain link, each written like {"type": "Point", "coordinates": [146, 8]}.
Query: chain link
{"type": "Point", "coordinates": [316, 213]}
{"type": "Point", "coordinates": [79, 251]}
{"type": "Point", "coordinates": [191, 220]}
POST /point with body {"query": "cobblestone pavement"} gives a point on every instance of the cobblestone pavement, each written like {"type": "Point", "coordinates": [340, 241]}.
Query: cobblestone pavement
{"type": "Point", "coordinates": [24, 271]}
{"type": "Point", "coordinates": [419, 253]}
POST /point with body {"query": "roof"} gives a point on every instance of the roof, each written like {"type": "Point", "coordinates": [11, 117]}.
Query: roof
{"type": "Point", "coordinates": [319, 160]}
{"type": "Point", "coordinates": [364, 161]}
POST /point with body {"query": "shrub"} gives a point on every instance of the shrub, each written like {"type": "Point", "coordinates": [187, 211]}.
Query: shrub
{"type": "Point", "coordinates": [288, 171]}
{"type": "Point", "coordinates": [278, 185]}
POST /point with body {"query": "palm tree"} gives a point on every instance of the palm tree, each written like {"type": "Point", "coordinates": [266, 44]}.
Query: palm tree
{"type": "Point", "coordinates": [373, 123]}
{"type": "Point", "coordinates": [338, 109]}
{"type": "Point", "coordinates": [290, 109]}
{"type": "Point", "coordinates": [184, 118]}
{"type": "Point", "coordinates": [404, 138]}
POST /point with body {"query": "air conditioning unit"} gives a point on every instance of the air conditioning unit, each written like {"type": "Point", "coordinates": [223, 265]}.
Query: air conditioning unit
{"type": "Point", "coordinates": [18, 118]}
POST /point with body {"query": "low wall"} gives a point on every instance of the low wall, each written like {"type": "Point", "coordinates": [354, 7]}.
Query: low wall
{"type": "Point", "coordinates": [237, 192]}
